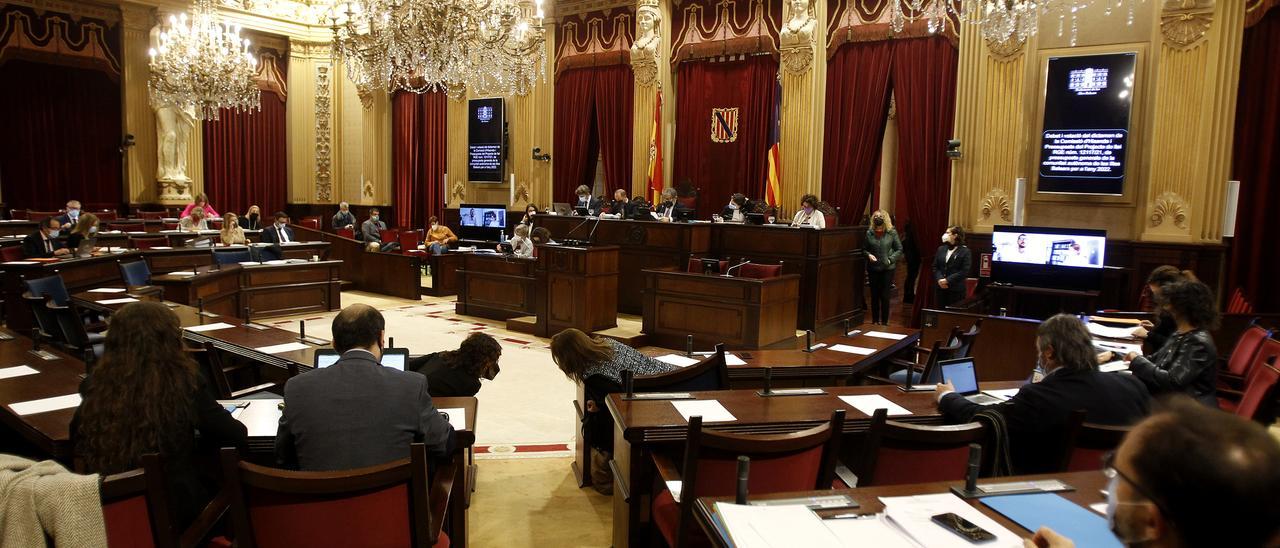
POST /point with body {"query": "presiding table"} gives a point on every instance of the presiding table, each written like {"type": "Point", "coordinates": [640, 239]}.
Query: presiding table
{"type": "Point", "coordinates": [739, 312]}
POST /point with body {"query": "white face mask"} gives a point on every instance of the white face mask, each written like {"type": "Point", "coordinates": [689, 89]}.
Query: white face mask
{"type": "Point", "coordinates": [434, 225]}
{"type": "Point", "coordinates": [1113, 505]}
{"type": "Point", "coordinates": [93, 229]}
{"type": "Point", "coordinates": [54, 233]}
{"type": "Point", "coordinates": [946, 238]}
{"type": "Point", "coordinates": [733, 205]}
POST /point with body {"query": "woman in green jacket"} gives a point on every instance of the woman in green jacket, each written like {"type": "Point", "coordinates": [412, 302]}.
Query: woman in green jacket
{"type": "Point", "coordinates": [883, 249]}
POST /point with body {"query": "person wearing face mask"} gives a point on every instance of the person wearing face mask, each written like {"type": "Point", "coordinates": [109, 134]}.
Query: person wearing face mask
{"type": "Point", "coordinates": [85, 229]}
{"type": "Point", "coordinates": [809, 215]}
{"type": "Point", "coordinates": [1037, 415]}
{"type": "Point", "coordinates": [666, 210]}
{"type": "Point", "coordinates": [252, 219]}
{"type": "Point", "coordinates": [194, 222]}
{"type": "Point", "coordinates": [1190, 476]}
{"type": "Point", "coordinates": [72, 215]}
{"type": "Point", "coordinates": [231, 233]}
{"type": "Point", "coordinates": [951, 266]}
{"type": "Point", "coordinates": [371, 231]}
{"type": "Point", "coordinates": [1188, 362]}
{"type": "Point", "coordinates": [439, 237]}
{"type": "Point", "coordinates": [737, 209]}
{"type": "Point", "coordinates": [883, 250]}
{"type": "Point", "coordinates": [530, 211]}
{"type": "Point", "coordinates": [277, 234]}
{"type": "Point", "coordinates": [344, 218]}
{"type": "Point", "coordinates": [585, 204]}
{"type": "Point", "coordinates": [44, 243]}
{"type": "Point", "coordinates": [457, 373]}
{"type": "Point", "coordinates": [1161, 327]}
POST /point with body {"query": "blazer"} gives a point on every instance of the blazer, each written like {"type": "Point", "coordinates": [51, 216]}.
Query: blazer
{"type": "Point", "coordinates": [1037, 415]}
{"type": "Point", "coordinates": [271, 236]}
{"type": "Point", "coordinates": [665, 210]}
{"type": "Point", "coordinates": [250, 224]}
{"type": "Point", "coordinates": [954, 270]}
{"type": "Point", "coordinates": [372, 231]}
{"type": "Point", "coordinates": [232, 235]}
{"type": "Point", "coordinates": [357, 413]}
{"type": "Point", "coordinates": [593, 205]}
{"type": "Point", "coordinates": [1187, 363]}
{"type": "Point", "coordinates": [66, 221]}
{"type": "Point", "coordinates": [887, 249]}
{"type": "Point", "coordinates": [343, 220]}
{"type": "Point", "coordinates": [33, 246]}
{"type": "Point", "coordinates": [443, 381]}
{"type": "Point", "coordinates": [620, 207]}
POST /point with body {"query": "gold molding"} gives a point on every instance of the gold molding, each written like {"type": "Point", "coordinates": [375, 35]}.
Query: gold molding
{"type": "Point", "coordinates": [1006, 50]}
{"type": "Point", "coordinates": [1185, 23]}
{"type": "Point", "coordinates": [1169, 206]}
{"type": "Point", "coordinates": [996, 202]}
{"type": "Point", "coordinates": [324, 149]}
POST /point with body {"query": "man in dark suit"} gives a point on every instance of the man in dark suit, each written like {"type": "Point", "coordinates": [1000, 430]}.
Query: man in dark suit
{"type": "Point", "coordinates": [621, 205]}
{"type": "Point", "coordinates": [950, 268]}
{"type": "Point", "coordinates": [738, 208]}
{"type": "Point", "coordinates": [1037, 415]}
{"type": "Point", "coordinates": [357, 413]}
{"type": "Point", "coordinates": [44, 243]}
{"type": "Point", "coordinates": [276, 234]}
{"type": "Point", "coordinates": [72, 215]}
{"type": "Point", "coordinates": [586, 201]}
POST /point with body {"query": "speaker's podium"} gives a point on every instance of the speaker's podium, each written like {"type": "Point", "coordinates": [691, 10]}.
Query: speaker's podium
{"type": "Point", "coordinates": [579, 288]}
{"type": "Point", "coordinates": [741, 312]}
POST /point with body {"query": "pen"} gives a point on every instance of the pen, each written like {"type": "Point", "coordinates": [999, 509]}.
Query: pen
{"type": "Point", "coordinates": [851, 516]}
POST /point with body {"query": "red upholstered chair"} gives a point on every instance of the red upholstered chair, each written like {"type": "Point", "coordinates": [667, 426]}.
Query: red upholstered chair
{"type": "Point", "coordinates": [347, 233]}
{"type": "Point", "coordinates": [168, 226]}
{"type": "Point", "coordinates": [11, 253]}
{"type": "Point", "coordinates": [760, 271]}
{"type": "Point", "coordinates": [18, 215]}
{"type": "Point", "coordinates": [126, 511]}
{"type": "Point", "coordinates": [41, 215]}
{"type": "Point", "coordinates": [687, 202]}
{"type": "Point", "coordinates": [126, 225]}
{"type": "Point", "coordinates": [215, 225]}
{"type": "Point", "coordinates": [390, 504]}
{"type": "Point", "coordinates": [1238, 304]}
{"type": "Point", "coordinates": [897, 452]}
{"type": "Point", "coordinates": [312, 222]}
{"type": "Point", "coordinates": [1088, 442]}
{"type": "Point", "coordinates": [390, 235]}
{"type": "Point", "coordinates": [1258, 400]}
{"type": "Point", "coordinates": [409, 240]}
{"type": "Point", "coordinates": [799, 461]}
{"type": "Point", "coordinates": [695, 265]}
{"type": "Point", "coordinates": [151, 215]}
{"type": "Point", "coordinates": [148, 243]}
{"type": "Point", "coordinates": [1242, 356]}
{"type": "Point", "coordinates": [106, 214]}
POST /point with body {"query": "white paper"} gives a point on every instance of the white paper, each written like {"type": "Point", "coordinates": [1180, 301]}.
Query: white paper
{"type": "Point", "coordinates": [119, 301]}
{"type": "Point", "coordinates": [1112, 367]}
{"type": "Point", "coordinates": [162, 246]}
{"type": "Point", "coordinates": [260, 417]}
{"type": "Point", "coordinates": [209, 327]}
{"type": "Point", "coordinates": [883, 335]}
{"type": "Point", "coordinates": [869, 403]}
{"type": "Point", "coordinates": [1004, 394]}
{"type": "Point", "coordinates": [775, 526]}
{"type": "Point", "coordinates": [16, 371]}
{"type": "Point", "coordinates": [675, 486]}
{"type": "Point", "coordinates": [730, 359]}
{"type": "Point", "coordinates": [677, 360]}
{"type": "Point", "coordinates": [457, 417]}
{"type": "Point", "coordinates": [711, 410]}
{"type": "Point", "coordinates": [853, 349]}
{"type": "Point", "coordinates": [47, 404]}
{"type": "Point", "coordinates": [182, 272]}
{"type": "Point", "coordinates": [108, 290]}
{"type": "Point", "coordinates": [281, 348]}
{"type": "Point", "coordinates": [249, 263]}
{"type": "Point", "coordinates": [872, 531]}
{"type": "Point", "coordinates": [276, 261]}
{"type": "Point", "coordinates": [21, 262]}
{"type": "Point", "coordinates": [1100, 330]}
{"type": "Point", "coordinates": [912, 514]}
{"type": "Point", "coordinates": [1120, 348]}
{"type": "Point", "coordinates": [1099, 507]}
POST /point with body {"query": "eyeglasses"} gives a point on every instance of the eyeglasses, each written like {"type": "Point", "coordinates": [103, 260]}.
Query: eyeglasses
{"type": "Point", "coordinates": [1110, 471]}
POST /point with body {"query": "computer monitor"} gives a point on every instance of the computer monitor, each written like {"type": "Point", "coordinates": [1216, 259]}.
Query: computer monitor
{"type": "Point", "coordinates": [710, 266]}
{"type": "Point", "coordinates": [395, 358]}
{"type": "Point", "coordinates": [1059, 258]}
{"type": "Point", "coordinates": [641, 213]}
{"type": "Point", "coordinates": [961, 374]}
{"type": "Point", "coordinates": [561, 208]}
{"type": "Point", "coordinates": [581, 211]}
{"type": "Point", "coordinates": [683, 214]}
{"type": "Point", "coordinates": [482, 221]}
{"type": "Point", "coordinates": [755, 218]}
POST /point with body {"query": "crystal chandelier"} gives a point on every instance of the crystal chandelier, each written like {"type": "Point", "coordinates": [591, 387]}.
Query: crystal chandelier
{"type": "Point", "coordinates": [202, 63]}
{"type": "Point", "coordinates": [1002, 21]}
{"type": "Point", "coordinates": [487, 46]}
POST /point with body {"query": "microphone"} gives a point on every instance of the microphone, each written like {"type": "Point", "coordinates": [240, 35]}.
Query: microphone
{"type": "Point", "coordinates": [730, 269]}
{"type": "Point", "coordinates": [768, 382]}
{"type": "Point", "coordinates": [391, 342]}
{"type": "Point", "coordinates": [200, 305]}
{"type": "Point", "coordinates": [628, 386]}
{"type": "Point", "coordinates": [585, 220]}
{"type": "Point", "coordinates": [744, 473]}
{"type": "Point", "coordinates": [970, 489]}
{"type": "Point", "coordinates": [688, 346]}
{"type": "Point", "coordinates": [302, 330]}
{"type": "Point", "coordinates": [592, 235]}
{"type": "Point", "coordinates": [808, 340]}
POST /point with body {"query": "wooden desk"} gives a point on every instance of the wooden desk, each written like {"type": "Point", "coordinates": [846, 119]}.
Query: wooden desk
{"type": "Point", "coordinates": [577, 288]}
{"type": "Point", "coordinates": [497, 287]}
{"type": "Point", "coordinates": [1087, 486]}
{"type": "Point", "coordinates": [218, 288]}
{"type": "Point", "coordinates": [292, 288]}
{"type": "Point", "coordinates": [77, 275]}
{"type": "Point", "coordinates": [48, 432]}
{"type": "Point", "coordinates": [643, 426]}
{"type": "Point", "coordinates": [444, 274]}
{"type": "Point", "coordinates": [17, 228]}
{"type": "Point", "coordinates": [391, 274]}
{"type": "Point", "coordinates": [739, 312]}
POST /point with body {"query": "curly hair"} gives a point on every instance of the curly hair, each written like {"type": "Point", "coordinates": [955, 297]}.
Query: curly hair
{"type": "Point", "coordinates": [1192, 301]}
{"type": "Point", "coordinates": [475, 353]}
{"type": "Point", "coordinates": [138, 399]}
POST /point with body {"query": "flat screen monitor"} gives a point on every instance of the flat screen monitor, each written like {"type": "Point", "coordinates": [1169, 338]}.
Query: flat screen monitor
{"type": "Point", "coordinates": [482, 221]}
{"type": "Point", "coordinates": [1060, 258]}
{"type": "Point", "coordinates": [1085, 140]}
{"type": "Point", "coordinates": [395, 358]}
{"type": "Point", "coordinates": [486, 126]}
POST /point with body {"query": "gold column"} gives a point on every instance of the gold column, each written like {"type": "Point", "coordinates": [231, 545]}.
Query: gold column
{"type": "Point", "coordinates": [543, 97]}
{"type": "Point", "coordinates": [375, 124]}
{"type": "Point", "coordinates": [804, 77]}
{"type": "Point", "coordinates": [308, 120]}
{"type": "Point", "coordinates": [456, 152]}
{"type": "Point", "coordinates": [651, 65]}
{"type": "Point", "coordinates": [139, 119]}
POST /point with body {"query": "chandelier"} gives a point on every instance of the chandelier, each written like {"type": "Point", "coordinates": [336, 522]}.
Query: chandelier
{"type": "Point", "coordinates": [450, 46]}
{"type": "Point", "coordinates": [1002, 21]}
{"type": "Point", "coordinates": [202, 63]}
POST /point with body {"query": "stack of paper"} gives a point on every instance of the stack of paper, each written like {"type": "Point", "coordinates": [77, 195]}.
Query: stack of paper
{"type": "Point", "coordinates": [853, 349]}
{"type": "Point", "coordinates": [677, 360]}
{"type": "Point", "coordinates": [1112, 367]}
{"type": "Point", "coordinates": [457, 417]}
{"type": "Point", "coordinates": [913, 515]}
{"type": "Point", "coordinates": [1099, 330]}
{"type": "Point", "coordinates": [108, 290]}
{"type": "Point", "coordinates": [869, 403]}
{"type": "Point", "coordinates": [774, 527]}
{"type": "Point", "coordinates": [45, 405]}
{"type": "Point", "coordinates": [17, 371]}
{"type": "Point", "coordinates": [282, 348]}
{"type": "Point", "coordinates": [124, 300]}
{"type": "Point", "coordinates": [884, 335]}
{"type": "Point", "coordinates": [209, 327]}
{"type": "Point", "coordinates": [709, 410]}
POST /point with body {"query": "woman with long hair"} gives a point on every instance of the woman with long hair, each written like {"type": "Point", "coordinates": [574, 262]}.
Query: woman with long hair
{"type": "Point", "coordinates": [883, 250]}
{"type": "Point", "coordinates": [1188, 361]}
{"type": "Point", "coordinates": [86, 228]}
{"type": "Point", "coordinates": [146, 395]}
{"type": "Point", "coordinates": [252, 219]}
{"type": "Point", "coordinates": [457, 373]}
{"type": "Point", "coordinates": [201, 201]}
{"type": "Point", "coordinates": [231, 233]}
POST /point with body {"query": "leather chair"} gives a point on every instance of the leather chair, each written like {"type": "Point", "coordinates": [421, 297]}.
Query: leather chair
{"type": "Point", "coordinates": [347, 233]}
{"type": "Point", "coordinates": [760, 271]}
{"type": "Point", "coordinates": [896, 452]}
{"type": "Point", "coordinates": [106, 214]}
{"type": "Point", "coordinates": [1236, 369]}
{"type": "Point", "coordinates": [695, 265]}
{"type": "Point", "coordinates": [234, 256]}
{"type": "Point", "coordinates": [135, 273]}
{"type": "Point", "coordinates": [312, 222]}
{"type": "Point", "coordinates": [42, 215]}
{"type": "Point", "coordinates": [52, 286]}
{"type": "Point", "coordinates": [135, 509]}
{"type": "Point", "coordinates": [1087, 443]}
{"type": "Point", "coordinates": [18, 215]}
{"type": "Point", "coordinates": [1259, 398]}
{"type": "Point", "coordinates": [712, 373]}
{"type": "Point", "coordinates": [11, 253]}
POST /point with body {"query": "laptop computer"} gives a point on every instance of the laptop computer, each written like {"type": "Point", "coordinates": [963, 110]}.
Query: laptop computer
{"type": "Point", "coordinates": [561, 208]}
{"type": "Point", "coordinates": [395, 358]}
{"type": "Point", "coordinates": [962, 374]}
{"type": "Point", "coordinates": [85, 249]}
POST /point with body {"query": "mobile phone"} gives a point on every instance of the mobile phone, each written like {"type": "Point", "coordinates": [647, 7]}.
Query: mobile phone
{"type": "Point", "coordinates": [963, 527]}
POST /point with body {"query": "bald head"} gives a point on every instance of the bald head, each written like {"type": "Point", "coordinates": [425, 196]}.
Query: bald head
{"type": "Point", "coordinates": [358, 326]}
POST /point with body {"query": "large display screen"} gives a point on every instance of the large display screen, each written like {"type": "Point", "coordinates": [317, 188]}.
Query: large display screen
{"type": "Point", "coordinates": [1064, 258]}
{"type": "Point", "coordinates": [485, 128]}
{"type": "Point", "coordinates": [487, 216]}
{"type": "Point", "coordinates": [1087, 102]}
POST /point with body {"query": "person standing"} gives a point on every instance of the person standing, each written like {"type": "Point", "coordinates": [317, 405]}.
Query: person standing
{"type": "Point", "coordinates": [950, 268]}
{"type": "Point", "coordinates": [72, 215]}
{"type": "Point", "coordinates": [884, 250]}
{"type": "Point", "coordinates": [202, 202]}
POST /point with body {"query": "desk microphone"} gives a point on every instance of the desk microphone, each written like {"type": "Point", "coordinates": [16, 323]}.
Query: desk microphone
{"type": "Point", "coordinates": [727, 271]}
{"type": "Point", "coordinates": [200, 305]}
{"type": "Point", "coordinates": [628, 383]}
{"type": "Point", "coordinates": [302, 330]}
{"type": "Point", "coordinates": [846, 328]}
{"type": "Point", "coordinates": [592, 235]}
{"type": "Point", "coordinates": [808, 340]}
{"type": "Point", "coordinates": [744, 473]}
{"type": "Point", "coordinates": [391, 342]}
{"type": "Point", "coordinates": [768, 382]}
{"type": "Point", "coordinates": [585, 220]}
{"type": "Point", "coordinates": [970, 489]}
{"type": "Point", "coordinates": [688, 346]}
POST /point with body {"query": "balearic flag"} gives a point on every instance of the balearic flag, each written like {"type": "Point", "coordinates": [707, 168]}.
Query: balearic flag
{"type": "Point", "coordinates": [655, 152]}
{"type": "Point", "coordinates": [773, 176]}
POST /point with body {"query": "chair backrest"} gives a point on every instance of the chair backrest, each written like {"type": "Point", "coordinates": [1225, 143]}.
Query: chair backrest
{"type": "Point", "coordinates": [1257, 401]}
{"type": "Point", "coordinates": [687, 202]}
{"type": "Point", "coordinates": [11, 253]}
{"type": "Point", "coordinates": [348, 233]}
{"type": "Point", "coordinates": [966, 339]}
{"type": "Point", "coordinates": [73, 331]}
{"type": "Point", "coordinates": [211, 361]}
{"type": "Point", "coordinates": [169, 226]}
{"type": "Point", "coordinates": [712, 373]}
{"type": "Point", "coordinates": [125, 225]}
{"type": "Point", "coordinates": [51, 286]}
{"type": "Point", "coordinates": [153, 215]}
{"type": "Point", "coordinates": [135, 272]}
{"type": "Point", "coordinates": [135, 507]}
{"type": "Point", "coordinates": [41, 215]}
{"type": "Point", "coordinates": [215, 224]}
{"type": "Point", "coordinates": [1246, 349]}
{"type": "Point", "coordinates": [384, 505]}
{"type": "Point", "coordinates": [148, 243]}
{"type": "Point", "coordinates": [46, 321]}
{"type": "Point", "coordinates": [695, 265]}
{"type": "Point", "coordinates": [390, 235]}
{"type": "Point", "coordinates": [409, 240]}
{"type": "Point", "coordinates": [1238, 304]}
{"type": "Point", "coordinates": [1088, 442]}
{"type": "Point", "coordinates": [18, 214]}
{"type": "Point", "coordinates": [896, 452]}
{"type": "Point", "coordinates": [107, 214]}
{"type": "Point", "coordinates": [957, 349]}
{"type": "Point", "coordinates": [312, 222]}
{"type": "Point", "coordinates": [231, 257]}
{"type": "Point", "coordinates": [760, 271]}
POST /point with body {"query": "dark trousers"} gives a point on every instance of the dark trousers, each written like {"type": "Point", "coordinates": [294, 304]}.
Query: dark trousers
{"type": "Point", "coordinates": [944, 297]}
{"type": "Point", "coordinates": [881, 283]}
{"type": "Point", "coordinates": [909, 287]}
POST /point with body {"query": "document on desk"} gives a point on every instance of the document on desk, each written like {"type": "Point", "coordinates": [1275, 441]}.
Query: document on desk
{"type": "Point", "coordinates": [774, 527]}
{"type": "Point", "coordinates": [853, 349]}
{"type": "Point", "coordinates": [250, 263]}
{"type": "Point", "coordinates": [181, 272]}
{"type": "Point", "coordinates": [1112, 367]}
{"type": "Point", "coordinates": [45, 405]}
{"type": "Point", "coordinates": [457, 417]}
{"type": "Point", "coordinates": [1099, 330]}
{"type": "Point", "coordinates": [108, 290]}
{"type": "Point", "coordinates": [869, 403]}
{"type": "Point", "coordinates": [161, 247]}
{"type": "Point", "coordinates": [710, 410]}
{"type": "Point", "coordinates": [1035, 510]}
{"type": "Point", "coordinates": [209, 327]}
{"type": "Point", "coordinates": [1119, 348]}
{"type": "Point", "coordinates": [19, 263]}
{"type": "Point", "coordinates": [868, 531]}
{"type": "Point", "coordinates": [124, 300]}
{"type": "Point", "coordinates": [729, 357]}
{"type": "Point", "coordinates": [677, 360]}
{"type": "Point", "coordinates": [16, 371]}
{"type": "Point", "coordinates": [884, 335]}
{"type": "Point", "coordinates": [912, 515]}
{"type": "Point", "coordinates": [282, 348]}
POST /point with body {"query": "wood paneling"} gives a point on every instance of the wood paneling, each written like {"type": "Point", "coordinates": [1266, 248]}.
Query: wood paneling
{"type": "Point", "coordinates": [496, 286]}
{"type": "Point", "coordinates": [739, 312]}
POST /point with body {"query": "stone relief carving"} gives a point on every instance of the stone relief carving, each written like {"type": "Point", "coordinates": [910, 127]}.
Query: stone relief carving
{"type": "Point", "coordinates": [997, 202]}
{"type": "Point", "coordinates": [324, 175]}
{"type": "Point", "coordinates": [1006, 50]}
{"type": "Point", "coordinates": [644, 52]}
{"type": "Point", "coordinates": [796, 37]}
{"type": "Point", "coordinates": [459, 192]}
{"type": "Point", "coordinates": [174, 125]}
{"type": "Point", "coordinates": [1185, 23]}
{"type": "Point", "coordinates": [1169, 206]}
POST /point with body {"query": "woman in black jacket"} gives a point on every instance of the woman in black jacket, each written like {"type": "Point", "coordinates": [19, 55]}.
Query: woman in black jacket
{"type": "Point", "coordinates": [1187, 363]}
{"type": "Point", "coordinates": [950, 268]}
{"type": "Point", "coordinates": [457, 373]}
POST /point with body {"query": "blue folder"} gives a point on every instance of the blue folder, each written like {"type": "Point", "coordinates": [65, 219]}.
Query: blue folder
{"type": "Point", "coordinates": [1035, 510]}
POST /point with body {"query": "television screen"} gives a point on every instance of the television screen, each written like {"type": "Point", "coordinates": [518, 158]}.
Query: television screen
{"type": "Point", "coordinates": [1087, 100]}
{"type": "Point", "coordinates": [485, 128]}
{"type": "Point", "coordinates": [487, 216]}
{"type": "Point", "coordinates": [1063, 258]}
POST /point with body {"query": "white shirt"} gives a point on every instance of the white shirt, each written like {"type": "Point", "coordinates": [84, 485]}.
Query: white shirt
{"type": "Point", "coordinates": [949, 252]}
{"type": "Point", "coordinates": [814, 219]}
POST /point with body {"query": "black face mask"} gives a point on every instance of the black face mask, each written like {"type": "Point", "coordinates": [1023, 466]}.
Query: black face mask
{"type": "Point", "coordinates": [878, 221]}
{"type": "Point", "coordinates": [253, 216]}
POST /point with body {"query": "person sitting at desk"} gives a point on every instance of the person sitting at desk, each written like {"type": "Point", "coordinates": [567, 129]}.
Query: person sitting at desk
{"type": "Point", "coordinates": [597, 364]}
{"type": "Point", "coordinates": [72, 215]}
{"type": "Point", "coordinates": [439, 237]}
{"type": "Point", "coordinates": [1190, 476]}
{"type": "Point", "coordinates": [344, 218]}
{"type": "Point", "coordinates": [521, 245]}
{"type": "Point", "coordinates": [356, 412]}
{"type": "Point", "coordinates": [1037, 415]}
{"type": "Point", "coordinates": [252, 219]}
{"type": "Point", "coordinates": [950, 268]}
{"type": "Point", "coordinates": [277, 234]}
{"type": "Point", "coordinates": [738, 208]}
{"type": "Point", "coordinates": [1188, 363]}
{"type": "Point", "coordinates": [195, 222]}
{"type": "Point", "coordinates": [231, 233]}
{"type": "Point", "coordinates": [457, 373]}
{"type": "Point", "coordinates": [586, 201]}
{"type": "Point", "coordinates": [146, 395]}
{"type": "Point", "coordinates": [43, 243]}
{"type": "Point", "coordinates": [530, 211]}
{"type": "Point", "coordinates": [621, 204]}
{"type": "Point", "coordinates": [809, 214]}
{"type": "Point", "coordinates": [202, 202]}
{"type": "Point", "coordinates": [86, 229]}
{"type": "Point", "coordinates": [371, 231]}
{"type": "Point", "coordinates": [1160, 329]}
{"type": "Point", "coordinates": [666, 210]}
{"type": "Point", "coordinates": [540, 236]}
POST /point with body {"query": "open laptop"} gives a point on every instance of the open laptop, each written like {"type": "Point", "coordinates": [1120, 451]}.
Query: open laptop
{"type": "Point", "coordinates": [85, 249]}
{"type": "Point", "coordinates": [395, 358]}
{"type": "Point", "coordinates": [561, 208]}
{"type": "Point", "coordinates": [962, 374]}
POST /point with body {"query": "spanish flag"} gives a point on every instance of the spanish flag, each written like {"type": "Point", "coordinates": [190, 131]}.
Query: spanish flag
{"type": "Point", "coordinates": [655, 152]}
{"type": "Point", "coordinates": [772, 183]}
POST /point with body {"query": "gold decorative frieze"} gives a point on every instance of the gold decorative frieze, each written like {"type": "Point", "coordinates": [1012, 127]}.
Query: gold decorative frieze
{"type": "Point", "coordinates": [1169, 206]}
{"type": "Point", "coordinates": [997, 203]}
{"type": "Point", "coordinates": [1185, 23]}
{"type": "Point", "coordinates": [1006, 50]}
{"type": "Point", "coordinates": [324, 163]}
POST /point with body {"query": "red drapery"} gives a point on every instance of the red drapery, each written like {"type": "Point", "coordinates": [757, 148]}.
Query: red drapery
{"type": "Point", "coordinates": [857, 111]}
{"type": "Point", "coordinates": [1254, 264]}
{"type": "Point", "coordinates": [720, 169]}
{"type": "Point", "coordinates": [418, 136]}
{"type": "Point", "coordinates": [245, 158]}
{"type": "Point", "coordinates": [593, 116]}
{"type": "Point", "coordinates": [61, 137]}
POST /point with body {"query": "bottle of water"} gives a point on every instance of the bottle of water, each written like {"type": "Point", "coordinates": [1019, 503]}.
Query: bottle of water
{"type": "Point", "coordinates": [502, 238]}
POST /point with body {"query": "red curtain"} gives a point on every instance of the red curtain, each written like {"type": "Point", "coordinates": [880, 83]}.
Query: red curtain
{"type": "Point", "coordinates": [245, 158]}
{"type": "Point", "coordinates": [720, 169]}
{"type": "Point", "coordinates": [924, 86]}
{"type": "Point", "coordinates": [593, 116]}
{"type": "Point", "coordinates": [418, 135]}
{"type": "Point", "coordinates": [614, 90]}
{"type": "Point", "coordinates": [61, 137]}
{"type": "Point", "coordinates": [857, 111]}
{"type": "Point", "coordinates": [1254, 264]}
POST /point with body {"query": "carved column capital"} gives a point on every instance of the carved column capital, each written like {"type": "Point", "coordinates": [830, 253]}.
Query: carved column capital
{"type": "Point", "coordinates": [1006, 50]}
{"type": "Point", "coordinates": [324, 175]}
{"type": "Point", "coordinates": [796, 37]}
{"type": "Point", "coordinates": [1185, 23]}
